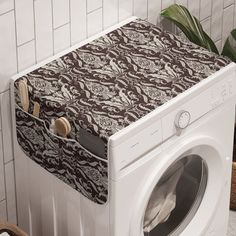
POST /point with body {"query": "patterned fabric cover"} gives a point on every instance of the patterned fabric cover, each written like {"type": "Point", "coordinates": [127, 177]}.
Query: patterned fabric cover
{"type": "Point", "coordinates": [64, 158]}
{"type": "Point", "coordinates": [103, 87]}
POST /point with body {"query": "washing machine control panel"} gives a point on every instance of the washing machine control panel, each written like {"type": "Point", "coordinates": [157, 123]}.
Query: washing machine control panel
{"type": "Point", "coordinates": [182, 119]}
{"type": "Point", "coordinates": [195, 108]}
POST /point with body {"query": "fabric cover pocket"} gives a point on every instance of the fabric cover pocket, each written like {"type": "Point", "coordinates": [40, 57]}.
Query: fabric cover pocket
{"type": "Point", "coordinates": [64, 158]}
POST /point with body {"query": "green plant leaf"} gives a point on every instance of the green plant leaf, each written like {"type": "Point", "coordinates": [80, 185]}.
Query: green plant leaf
{"type": "Point", "coordinates": [190, 26]}
{"type": "Point", "coordinates": [229, 49]}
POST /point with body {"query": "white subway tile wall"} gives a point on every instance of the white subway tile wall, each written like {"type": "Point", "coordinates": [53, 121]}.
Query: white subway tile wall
{"type": "Point", "coordinates": [61, 38]}
{"type": "Point", "coordinates": [228, 3]}
{"type": "Point", "coordinates": [154, 7]}
{"type": "Point", "coordinates": [206, 24]}
{"type": "Point", "coordinates": [10, 192]}
{"type": "Point", "coordinates": [218, 43]}
{"type": "Point", "coordinates": [183, 2]}
{"type": "Point", "coordinates": [6, 5]}
{"type": "Point", "coordinates": [216, 19]}
{"type": "Point", "coordinates": [166, 3]}
{"type": "Point", "coordinates": [7, 188]}
{"type": "Point", "coordinates": [93, 5]}
{"type": "Point", "coordinates": [94, 20]}
{"type": "Point", "coordinates": [140, 8]}
{"type": "Point", "coordinates": [6, 127]}
{"type": "Point", "coordinates": [110, 13]}
{"type": "Point", "coordinates": [43, 29]}
{"type": "Point", "coordinates": [8, 48]}
{"type": "Point", "coordinates": [26, 55]}
{"type": "Point", "coordinates": [78, 17]}
{"type": "Point", "coordinates": [60, 12]}
{"type": "Point", "coordinates": [24, 11]}
{"type": "Point", "coordinates": [228, 21]}
{"type": "Point", "coordinates": [32, 30]}
{"type": "Point", "coordinates": [2, 177]}
{"type": "Point", "coordinates": [125, 9]}
{"type": "Point", "coordinates": [205, 9]}
{"type": "Point", "coordinates": [3, 210]}
{"type": "Point", "coordinates": [193, 6]}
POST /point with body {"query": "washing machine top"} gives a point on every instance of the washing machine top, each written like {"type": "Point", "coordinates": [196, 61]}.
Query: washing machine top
{"type": "Point", "coordinates": [118, 78]}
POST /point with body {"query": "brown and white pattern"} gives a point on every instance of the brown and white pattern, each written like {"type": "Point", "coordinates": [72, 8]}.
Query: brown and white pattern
{"type": "Point", "coordinates": [116, 79]}
{"type": "Point", "coordinates": [64, 158]}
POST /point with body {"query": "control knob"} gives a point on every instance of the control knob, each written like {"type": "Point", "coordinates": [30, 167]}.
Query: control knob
{"type": "Point", "coordinates": [182, 120]}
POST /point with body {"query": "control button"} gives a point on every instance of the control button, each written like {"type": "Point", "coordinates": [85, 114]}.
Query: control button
{"type": "Point", "coordinates": [182, 119]}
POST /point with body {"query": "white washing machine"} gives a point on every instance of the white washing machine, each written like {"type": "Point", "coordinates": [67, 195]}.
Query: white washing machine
{"type": "Point", "coordinates": [169, 173]}
{"type": "Point", "coordinates": [202, 193]}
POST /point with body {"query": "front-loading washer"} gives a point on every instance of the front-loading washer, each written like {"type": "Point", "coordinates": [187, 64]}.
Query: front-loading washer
{"type": "Point", "coordinates": [202, 156]}
{"type": "Point", "coordinates": [197, 158]}
{"type": "Point", "coordinates": [168, 172]}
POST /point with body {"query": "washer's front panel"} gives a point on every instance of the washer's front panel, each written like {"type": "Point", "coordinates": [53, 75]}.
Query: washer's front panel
{"type": "Point", "coordinates": [133, 195]}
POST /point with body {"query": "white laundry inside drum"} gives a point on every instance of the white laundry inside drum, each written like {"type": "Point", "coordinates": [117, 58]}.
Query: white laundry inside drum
{"type": "Point", "coordinates": [176, 197]}
{"type": "Point", "coordinates": [163, 199]}
{"type": "Point", "coordinates": [4, 234]}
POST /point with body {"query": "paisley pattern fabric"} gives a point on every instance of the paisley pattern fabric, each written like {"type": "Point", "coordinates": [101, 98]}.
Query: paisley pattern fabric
{"type": "Point", "coordinates": [105, 86]}
{"type": "Point", "coordinates": [64, 158]}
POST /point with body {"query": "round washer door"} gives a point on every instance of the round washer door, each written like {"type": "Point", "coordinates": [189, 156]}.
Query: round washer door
{"type": "Point", "coordinates": [187, 191]}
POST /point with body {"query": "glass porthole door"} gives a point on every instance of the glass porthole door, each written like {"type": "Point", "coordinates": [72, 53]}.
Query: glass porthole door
{"type": "Point", "coordinates": [176, 197]}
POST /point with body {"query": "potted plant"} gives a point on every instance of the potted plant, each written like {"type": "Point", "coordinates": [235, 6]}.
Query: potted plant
{"type": "Point", "coordinates": [193, 30]}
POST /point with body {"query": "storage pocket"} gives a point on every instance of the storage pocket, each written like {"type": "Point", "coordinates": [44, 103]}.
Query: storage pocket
{"type": "Point", "coordinates": [64, 158]}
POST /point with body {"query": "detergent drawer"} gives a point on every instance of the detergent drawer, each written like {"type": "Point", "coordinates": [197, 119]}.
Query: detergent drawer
{"type": "Point", "coordinates": [136, 146]}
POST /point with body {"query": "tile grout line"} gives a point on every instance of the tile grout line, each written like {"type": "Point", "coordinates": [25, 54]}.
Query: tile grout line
{"type": "Point", "coordinates": [133, 7]}
{"type": "Point", "coordinates": [118, 11]}
{"type": "Point", "coordinates": [35, 40]}
{"type": "Point", "coordinates": [103, 15]}
{"type": "Point", "coordinates": [231, 5]}
{"type": "Point", "coordinates": [67, 23]}
{"type": "Point", "coordinates": [199, 5]}
{"type": "Point", "coordinates": [3, 160]}
{"type": "Point", "coordinates": [86, 18]}
{"type": "Point", "coordinates": [86, 9]}
{"type": "Point", "coordinates": [212, 3]}
{"type": "Point", "coordinates": [70, 22]}
{"type": "Point", "coordinates": [53, 39]}
{"type": "Point", "coordinates": [94, 10]}
{"type": "Point", "coordinates": [234, 15]}
{"type": "Point", "coordinates": [3, 200]}
{"type": "Point", "coordinates": [6, 12]}
{"type": "Point", "coordinates": [161, 19]}
{"type": "Point", "coordinates": [22, 44]}
{"type": "Point", "coordinates": [6, 163]}
{"type": "Point", "coordinates": [224, 7]}
{"type": "Point", "coordinates": [205, 19]}
{"type": "Point", "coordinates": [221, 25]}
{"type": "Point", "coordinates": [17, 56]}
{"type": "Point", "coordinates": [14, 177]}
{"type": "Point", "coordinates": [222, 29]}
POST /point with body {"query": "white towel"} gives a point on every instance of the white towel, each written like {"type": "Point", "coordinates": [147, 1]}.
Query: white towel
{"type": "Point", "coordinates": [4, 234]}
{"type": "Point", "coordinates": [163, 199]}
